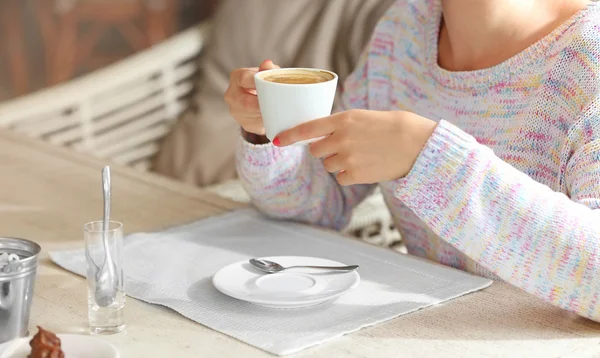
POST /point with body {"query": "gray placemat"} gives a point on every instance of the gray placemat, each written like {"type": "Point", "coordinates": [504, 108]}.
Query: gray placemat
{"type": "Point", "coordinates": [174, 268]}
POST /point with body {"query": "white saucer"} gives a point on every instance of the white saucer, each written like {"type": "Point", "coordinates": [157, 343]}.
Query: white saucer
{"type": "Point", "coordinates": [73, 345]}
{"type": "Point", "coordinates": [296, 288]}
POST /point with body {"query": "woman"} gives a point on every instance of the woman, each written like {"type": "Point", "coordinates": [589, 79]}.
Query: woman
{"type": "Point", "coordinates": [480, 121]}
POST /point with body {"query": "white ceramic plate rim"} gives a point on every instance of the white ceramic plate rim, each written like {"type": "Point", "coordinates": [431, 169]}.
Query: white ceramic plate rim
{"type": "Point", "coordinates": [306, 302]}
{"type": "Point", "coordinates": [16, 345]}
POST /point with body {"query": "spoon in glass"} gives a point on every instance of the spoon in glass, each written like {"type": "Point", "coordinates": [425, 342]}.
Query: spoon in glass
{"type": "Point", "coordinates": [273, 267]}
{"type": "Point", "coordinates": [106, 275]}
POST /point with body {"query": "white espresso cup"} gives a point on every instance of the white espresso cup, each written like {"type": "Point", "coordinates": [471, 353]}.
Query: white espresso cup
{"type": "Point", "coordinates": [285, 105]}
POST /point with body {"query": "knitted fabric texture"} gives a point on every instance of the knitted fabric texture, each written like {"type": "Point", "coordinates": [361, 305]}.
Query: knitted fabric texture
{"type": "Point", "coordinates": [508, 186]}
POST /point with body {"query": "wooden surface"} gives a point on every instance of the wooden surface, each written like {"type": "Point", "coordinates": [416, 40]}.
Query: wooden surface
{"type": "Point", "coordinates": [47, 194]}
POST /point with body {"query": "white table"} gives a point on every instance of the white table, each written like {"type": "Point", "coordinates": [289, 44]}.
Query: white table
{"type": "Point", "coordinates": [47, 194]}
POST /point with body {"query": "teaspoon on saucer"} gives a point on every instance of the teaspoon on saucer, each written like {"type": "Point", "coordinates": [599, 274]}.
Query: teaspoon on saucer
{"type": "Point", "coordinates": [273, 267]}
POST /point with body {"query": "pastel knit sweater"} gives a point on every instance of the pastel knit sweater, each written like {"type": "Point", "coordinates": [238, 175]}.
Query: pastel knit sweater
{"type": "Point", "coordinates": [508, 185]}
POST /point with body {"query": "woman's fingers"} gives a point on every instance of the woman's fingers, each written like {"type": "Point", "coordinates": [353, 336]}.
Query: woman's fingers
{"type": "Point", "coordinates": [334, 163]}
{"type": "Point", "coordinates": [242, 99]}
{"type": "Point", "coordinates": [267, 65]}
{"type": "Point", "coordinates": [345, 178]}
{"type": "Point", "coordinates": [324, 147]}
{"type": "Point", "coordinates": [309, 130]}
{"type": "Point", "coordinates": [243, 77]}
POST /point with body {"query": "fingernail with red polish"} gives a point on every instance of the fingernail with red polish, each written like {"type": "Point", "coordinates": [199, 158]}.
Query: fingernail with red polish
{"type": "Point", "coordinates": [276, 142]}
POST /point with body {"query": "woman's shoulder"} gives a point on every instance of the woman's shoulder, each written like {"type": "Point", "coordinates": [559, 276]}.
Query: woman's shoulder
{"type": "Point", "coordinates": [406, 24]}
{"type": "Point", "coordinates": [409, 12]}
{"type": "Point", "coordinates": [574, 57]}
{"type": "Point", "coordinates": [582, 32]}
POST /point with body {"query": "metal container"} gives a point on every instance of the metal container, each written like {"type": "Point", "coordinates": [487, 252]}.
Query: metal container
{"type": "Point", "coordinates": [16, 287]}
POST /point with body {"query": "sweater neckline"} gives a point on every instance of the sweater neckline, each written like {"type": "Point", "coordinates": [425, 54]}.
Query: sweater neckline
{"type": "Point", "coordinates": [502, 72]}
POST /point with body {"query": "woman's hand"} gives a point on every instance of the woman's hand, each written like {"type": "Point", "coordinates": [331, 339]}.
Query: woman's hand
{"type": "Point", "coordinates": [364, 146]}
{"type": "Point", "coordinates": [242, 100]}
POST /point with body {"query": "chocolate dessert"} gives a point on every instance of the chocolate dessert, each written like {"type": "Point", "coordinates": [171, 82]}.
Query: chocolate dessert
{"type": "Point", "coordinates": [45, 344]}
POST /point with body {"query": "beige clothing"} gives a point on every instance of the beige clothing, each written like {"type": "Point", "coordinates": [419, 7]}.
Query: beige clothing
{"type": "Point", "coordinates": [327, 34]}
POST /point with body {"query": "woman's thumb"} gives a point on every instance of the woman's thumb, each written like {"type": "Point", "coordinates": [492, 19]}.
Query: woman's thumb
{"type": "Point", "coordinates": [267, 65]}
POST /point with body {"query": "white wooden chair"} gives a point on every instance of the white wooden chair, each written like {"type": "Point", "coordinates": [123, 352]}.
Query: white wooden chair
{"type": "Point", "coordinates": [121, 113]}
{"type": "Point", "coordinates": [118, 113]}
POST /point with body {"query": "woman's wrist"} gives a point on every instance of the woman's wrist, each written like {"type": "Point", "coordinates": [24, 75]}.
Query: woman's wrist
{"type": "Point", "coordinates": [254, 138]}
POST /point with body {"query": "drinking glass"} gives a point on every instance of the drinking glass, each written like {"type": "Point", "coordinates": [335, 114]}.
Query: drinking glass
{"type": "Point", "coordinates": [108, 319]}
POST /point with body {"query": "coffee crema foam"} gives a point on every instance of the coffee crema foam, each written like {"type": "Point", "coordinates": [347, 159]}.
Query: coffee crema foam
{"type": "Point", "coordinates": [298, 77]}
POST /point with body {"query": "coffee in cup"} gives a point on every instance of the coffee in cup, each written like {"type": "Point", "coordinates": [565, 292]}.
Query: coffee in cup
{"type": "Point", "coordinates": [299, 77]}
{"type": "Point", "coordinates": [291, 96]}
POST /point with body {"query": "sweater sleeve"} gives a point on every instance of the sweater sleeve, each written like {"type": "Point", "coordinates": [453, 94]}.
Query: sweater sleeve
{"type": "Point", "coordinates": [542, 241]}
{"type": "Point", "coordinates": [289, 183]}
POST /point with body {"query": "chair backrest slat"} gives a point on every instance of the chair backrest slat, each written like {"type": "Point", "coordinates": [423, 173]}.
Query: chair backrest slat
{"type": "Point", "coordinates": [120, 112]}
